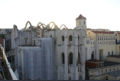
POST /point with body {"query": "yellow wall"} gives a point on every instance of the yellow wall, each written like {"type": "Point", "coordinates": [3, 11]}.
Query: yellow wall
{"type": "Point", "coordinates": [108, 45]}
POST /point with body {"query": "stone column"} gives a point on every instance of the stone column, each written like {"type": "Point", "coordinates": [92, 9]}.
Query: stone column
{"type": "Point", "coordinates": [75, 39]}
{"type": "Point", "coordinates": [66, 59]}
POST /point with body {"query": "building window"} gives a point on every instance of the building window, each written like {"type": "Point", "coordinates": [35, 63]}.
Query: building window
{"type": "Point", "coordinates": [50, 35]}
{"type": "Point", "coordinates": [98, 65]}
{"type": "Point", "coordinates": [70, 58]}
{"type": "Point", "coordinates": [98, 37]}
{"type": "Point", "coordinates": [106, 70]}
{"type": "Point", "coordinates": [114, 69]}
{"type": "Point", "coordinates": [102, 37]}
{"type": "Point", "coordinates": [101, 64]}
{"type": "Point", "coordinates": [70, 38]}
{"type": "Point", "coordinates": [112, 52]}
{"type": "Point", "coordinates": [79, 22]}
{"type": "Point", "coordinates": [63, 58]}
{"type": "Point", "coordinates": [101, 71]}
{"type": "Point", "coordinates": [117, 68]}
{"type": "Point", "coordinates": [84, 22]}
{"type": "Point", "coordinates": [106, 37]}
{"type": "Point", "coordinates": [62, 38]}
{"type": "Point", "coordinates": [78, 58]}
{"type": "Point", "coordinates": [98, 71]}
{"type": "Point", "coordinates": [110, 69]}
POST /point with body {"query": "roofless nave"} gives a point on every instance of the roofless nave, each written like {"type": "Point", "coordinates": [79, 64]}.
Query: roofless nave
{"type": "Point", "coordinates": [64, 51]}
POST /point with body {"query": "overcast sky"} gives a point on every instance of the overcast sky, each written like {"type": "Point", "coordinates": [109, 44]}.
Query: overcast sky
{"type": "Point", "coordinates": [99, 13]}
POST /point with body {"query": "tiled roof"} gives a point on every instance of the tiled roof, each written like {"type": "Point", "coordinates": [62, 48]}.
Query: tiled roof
{"type": "Point", "coordinates": [80, 17]}
{"type": "Point", "coordinates": [94, 60]}
{"type": "Point", "coordinates": [103, 32]}
{"type": "Point", "coordinates": [117, 56]}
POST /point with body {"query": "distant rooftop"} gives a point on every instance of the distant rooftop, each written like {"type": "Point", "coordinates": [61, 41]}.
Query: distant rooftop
{"type": "Point", "coordinates": [109, 63]}
{"type": "Point", "coordinates": [114, 73]}
{"type": "Point", "coordinates": [80, 17]}
{"type": "Point", "coordinates": [103, 32]}
{"type": "Point", "coordinates": [116, 56]}
{"type": "Point", "coordinates": [94, 60]}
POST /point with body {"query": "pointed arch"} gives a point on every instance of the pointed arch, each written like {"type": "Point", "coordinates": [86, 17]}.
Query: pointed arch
{"type": "Point", "coordinates": [70, 38]}
{"type": "Point", "coordinates": [44, 25]}
{"type": "Point", "coordinates": [52, 25]}
{"type": "Point", "coordinates": [64, 26]}
{"type": "Point", "coordinates": [27, 24]}
{"type": "Point", "coordinates": [40, 24]}
{"type": "Point", "coordinates": [70, 57]}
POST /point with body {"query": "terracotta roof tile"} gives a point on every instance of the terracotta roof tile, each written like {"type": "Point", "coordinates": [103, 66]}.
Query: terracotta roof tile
{"type": "Point", "coordinates": [103, 32]}
{"type": "Point", "coordinates": [94, 60]}
{"type": "Point", "coordinates": [80, 17]}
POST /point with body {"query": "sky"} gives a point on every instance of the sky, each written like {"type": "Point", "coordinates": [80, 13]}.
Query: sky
{"type": "Point", "coordinates": [99, 13]}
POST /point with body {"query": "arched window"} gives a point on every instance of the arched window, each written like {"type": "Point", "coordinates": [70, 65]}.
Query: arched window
{"type": "Point", "coordinates": [62, 38]}
{"type": "Point", "coordinates": [63, 58]}
{"type": "Point", "coordinates": [70, 58]}
{"type": "Point", "coordinates": [70, 38]}
{"type": "Point", "coordinates": [78, 58]}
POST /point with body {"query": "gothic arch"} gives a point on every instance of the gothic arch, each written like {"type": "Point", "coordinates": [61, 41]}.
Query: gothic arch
{"type": "Point", "coordinates": [70, 38]}
{"type": "Point", "coordinates": [52, 25]}
{"type": "Point", "coordinates": [40, 24]}
{"type": "Point", "coordinates": [27, 24]}
{"type": "Point", "coordinates": [70, 58]}
{"type": "Point", "coordinates": [64, 26]}
{"type": "Point", "coordinates": [44, 25]}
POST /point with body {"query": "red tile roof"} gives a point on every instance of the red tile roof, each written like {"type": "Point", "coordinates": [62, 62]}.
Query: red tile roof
{"type": "Point", "coordinates": [80, 17]}
{"type": "Point", "coordinates": [116, 56]}
{"type": "Point", "coordinates": [94, 60]}
{"type": "Point", "coordinates": [103, 32]}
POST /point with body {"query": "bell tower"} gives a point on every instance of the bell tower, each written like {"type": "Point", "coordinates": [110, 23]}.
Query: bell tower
{"type": "Point", "coordinates": [81, 22]}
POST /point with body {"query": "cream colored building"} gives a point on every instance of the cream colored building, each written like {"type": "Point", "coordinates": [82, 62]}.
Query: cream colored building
{"type": "Point", "coordinates": [105, 72]}
{"type": "Point", "coordinates": [106, 42]}
{"type": "Point", "coordinates": [113, 58]}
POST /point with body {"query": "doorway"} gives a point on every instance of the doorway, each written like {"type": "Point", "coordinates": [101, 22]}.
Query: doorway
{"type": "Point", "coordinates": [101, 54]}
